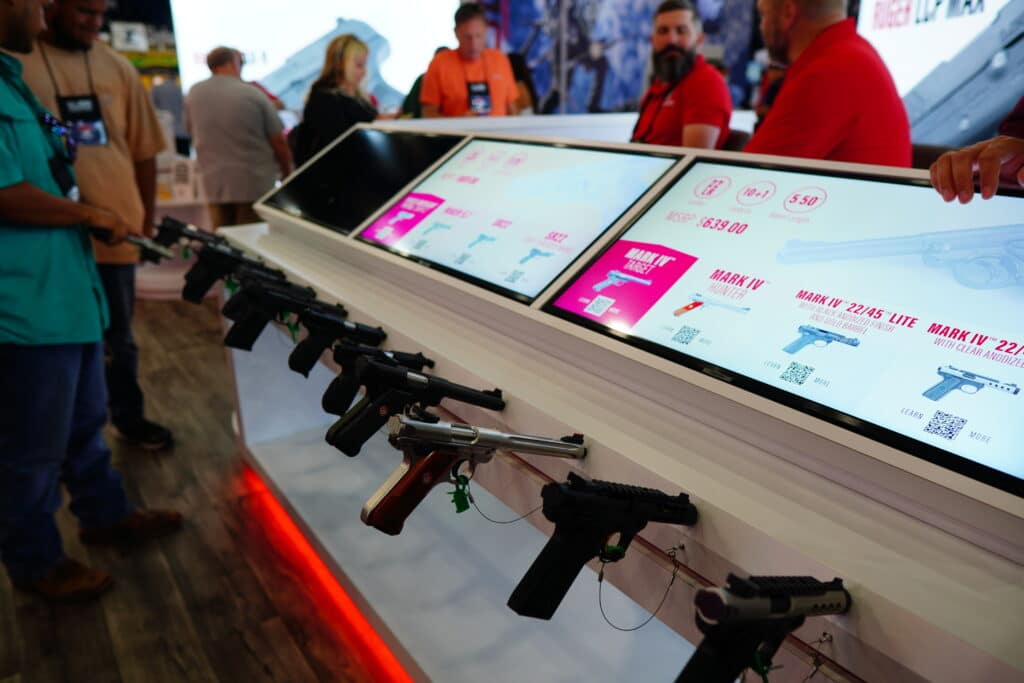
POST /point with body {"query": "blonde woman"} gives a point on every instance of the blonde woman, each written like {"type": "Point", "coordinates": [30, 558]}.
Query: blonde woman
{"type": "Point", "coordinates": [336, 100]}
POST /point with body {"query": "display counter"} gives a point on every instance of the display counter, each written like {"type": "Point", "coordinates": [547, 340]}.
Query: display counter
{"type": "Point", "coordinates": [786, 481]}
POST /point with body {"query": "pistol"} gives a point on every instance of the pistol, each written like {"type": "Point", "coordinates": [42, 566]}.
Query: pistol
{"type": "Point", "coordinates": [698, 300]}
{"type": "Point", "coordinates": [257, 303]}
{"type": "Point", "coordinates": [967, 382]}
{"type": "Point", "coordinates": [436, 226]}
{"type": "Point", "coordinates": [746, 621]}
{"type": "Point", "coordinates": [149, 251]}
{"type": "Point", "coordinates": [218, 260]}
{"type": "Point", "coordinates": [480, 240]}
{"type": "Point", "coordinates": [326, 324]}
{"type": "Point", "coordinates": [432, 453]}
{"type": "Point", "coordinates": [342, 391]}
{"type": "Point", "coordinates": [813, 335]}
{"type": "Point", "coordinates": [534, 253]}
{"type": "Point", "coordinates": [617, 279]}
{"type": "Point", "coordinates": [171, 231]}
{"type": "Point", "coordinates": [392, 390]}
{"type": "Point", "coordinates": [586, 514]}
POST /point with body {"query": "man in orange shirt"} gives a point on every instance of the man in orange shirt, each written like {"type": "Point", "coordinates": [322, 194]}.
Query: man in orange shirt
{"type": "Point", "coordinates": [473, 80]}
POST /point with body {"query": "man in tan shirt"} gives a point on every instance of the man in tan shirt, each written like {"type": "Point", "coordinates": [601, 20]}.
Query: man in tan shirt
{"type": "Point", "coordinates": [98, 92]}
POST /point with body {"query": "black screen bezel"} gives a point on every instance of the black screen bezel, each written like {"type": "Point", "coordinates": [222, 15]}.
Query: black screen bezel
{"type": "Point", "coordinates": [906, 444]}
{"type": "Point", "coordinates": [490, 286]}
{"type": "Point", "coordinates": [458, 138]}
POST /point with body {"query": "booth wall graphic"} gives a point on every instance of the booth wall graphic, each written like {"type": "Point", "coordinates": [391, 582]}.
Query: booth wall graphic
{"type": "Point", "coordinates": [593, 55]}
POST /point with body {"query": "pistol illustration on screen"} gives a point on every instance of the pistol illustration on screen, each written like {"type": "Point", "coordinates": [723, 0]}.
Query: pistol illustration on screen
{"type": "Point", "coordinates": [967, 382]}
{"type": "Point", "coordinates": [436, 226]}
{"type": "Point", "coordinates": [534, 253]}
{"type": "Point", "coordinates": [482, 238]}
{"type": "Point", "coordinates": [813, 335]}
{"type": "Point", "coordinates": [979, 258]}
{"type": "Point", "coordinates": [697, 300]}
{"type": "Point", "coordinates": [401, 216]}
{"type": "Point", "coordinates": [617, 279]}
{"type": "Point", "coordinates": [433, 453]}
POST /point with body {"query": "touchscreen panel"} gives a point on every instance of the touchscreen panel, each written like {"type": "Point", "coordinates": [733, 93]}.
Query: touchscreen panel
{"type": "Point", "coordinates": [358, 175]}
{"type": "Point", "coordinates": [870, 303]}
{"type": "Point", "coordinates": [512, 216]}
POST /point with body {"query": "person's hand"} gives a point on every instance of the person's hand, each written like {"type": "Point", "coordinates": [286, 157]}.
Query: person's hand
{"type": "Point", "coordinates": [996, 161]}
{"type": "Point", "coordinates": [112, 224]}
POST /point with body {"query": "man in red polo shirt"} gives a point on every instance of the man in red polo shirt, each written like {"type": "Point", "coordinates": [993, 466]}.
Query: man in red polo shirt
{"type": "Point", "coordinates": [688, 103]}
{"type": "Point", "coordinates": [837, 101]}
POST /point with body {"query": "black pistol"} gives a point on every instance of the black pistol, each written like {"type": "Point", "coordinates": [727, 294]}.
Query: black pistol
{"type": "Point", "coordinates": [586, 515]}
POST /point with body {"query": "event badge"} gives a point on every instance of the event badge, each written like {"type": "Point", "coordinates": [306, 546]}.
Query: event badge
{"type": "Point", "coordinates": [479, 97]}
{"type": "Point", "coordinates": [82, 114]}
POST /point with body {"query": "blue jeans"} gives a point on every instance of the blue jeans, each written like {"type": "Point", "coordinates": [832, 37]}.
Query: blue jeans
{"type": "Point", "coordinates": [53, 406]}
{"type": "Point", "coordinates": [125, 395]}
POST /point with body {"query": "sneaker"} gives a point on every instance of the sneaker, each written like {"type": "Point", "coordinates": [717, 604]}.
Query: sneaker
{"type": "Point", "coordinates": [137, 528]}
{"type": "Point", "coordinates": [69, 581]}
{"type": "Point", "coordinates": [146, 435]}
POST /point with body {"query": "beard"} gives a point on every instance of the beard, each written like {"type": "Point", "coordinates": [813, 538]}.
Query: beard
{"type": "Point", "coordinates": [672, 63]}
{"type": "Point", "coordinates": [776, 42]}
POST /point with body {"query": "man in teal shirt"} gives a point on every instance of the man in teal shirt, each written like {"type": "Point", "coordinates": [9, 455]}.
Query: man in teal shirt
{"type": "Point", "coordinates": [53, 403]}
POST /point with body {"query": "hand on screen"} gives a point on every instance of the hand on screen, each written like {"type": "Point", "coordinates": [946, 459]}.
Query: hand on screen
{"type": "Point", "coordinates": [995, 162]}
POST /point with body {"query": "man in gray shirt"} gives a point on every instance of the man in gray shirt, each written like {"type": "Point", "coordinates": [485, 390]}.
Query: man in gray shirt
{"type": "Point", "coordinates": [239, 140]}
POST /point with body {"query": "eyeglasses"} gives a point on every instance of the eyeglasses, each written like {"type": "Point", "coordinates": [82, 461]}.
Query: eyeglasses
{"type": "Point", "coordinates": [64, 134]}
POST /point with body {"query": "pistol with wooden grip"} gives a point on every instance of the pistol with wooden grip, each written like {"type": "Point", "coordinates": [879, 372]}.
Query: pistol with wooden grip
{"type": "Point", "coordinates": [433, 453]}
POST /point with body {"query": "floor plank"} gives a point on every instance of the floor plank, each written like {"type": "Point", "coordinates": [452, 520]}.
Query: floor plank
{"type": "Point", "coordinates": [217, 602]}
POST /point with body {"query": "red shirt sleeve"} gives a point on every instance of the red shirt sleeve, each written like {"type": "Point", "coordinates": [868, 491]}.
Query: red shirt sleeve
{"type": "Point", "coordinates": [709, 102]}
{"type": "Point", "coordinates": [510, 81]}
{"type": "Point", "coordinates": [430, 91]}
{"type": "Point", "coordinates": [808, 120]}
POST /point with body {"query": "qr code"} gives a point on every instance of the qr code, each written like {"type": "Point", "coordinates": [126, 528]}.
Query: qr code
{"type": "Point", "coordinates": [685, 335]}
{"type": "Point", "coordinates": [797, 373]}
{"type": "Point", "coordinates": [599, 305]}
{"type": "Point", "coordinates": [945, 425]}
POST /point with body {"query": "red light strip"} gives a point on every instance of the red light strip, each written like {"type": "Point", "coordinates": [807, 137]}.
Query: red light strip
{"type": "Point", "coordinates": [379, 660]}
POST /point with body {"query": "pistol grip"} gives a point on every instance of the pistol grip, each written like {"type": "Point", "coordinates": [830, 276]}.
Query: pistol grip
{"type": "Point", "coordinates": [405, 489]}
{"type": "Point", "coordinates": [945, 386]}
{"type": "Point", "coordinates": [340, 393]}
{"type": "Point", "coordinates": [245, 331]}
{"type": "Point", "coordinates": [198, 281]}
{"type": "Point", "coordinates": [800, 343]}
{"type": "Point", "coordinates": [357, 426]}
{"type": "Point", "coordinates": [307, 352]}
{"type": "Point", "coordinates": [236, 305]}
{"type": "Point", "coordinates": [552, 574]}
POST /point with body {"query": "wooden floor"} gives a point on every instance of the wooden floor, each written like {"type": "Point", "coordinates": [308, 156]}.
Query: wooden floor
{"type": "Point", "coordinates": [218, 601]}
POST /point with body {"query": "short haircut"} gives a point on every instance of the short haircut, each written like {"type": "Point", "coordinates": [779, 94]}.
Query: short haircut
{"type": "Point", "coordinates": [676, 5]}
{"type": "Point", "coordinates": [818, 9]}
{"type": "Point", "coordinates": [684, 5]}
{"type": "Point", "coordinates": [468, 11]}
{"type": "Point", "coordinates": [219, 56]}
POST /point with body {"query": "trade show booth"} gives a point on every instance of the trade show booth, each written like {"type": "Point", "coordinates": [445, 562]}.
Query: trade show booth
{"type": "Point", "coordinates": [824, 357]}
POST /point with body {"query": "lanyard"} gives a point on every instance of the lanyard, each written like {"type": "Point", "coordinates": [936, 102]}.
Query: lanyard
{"type": "Point", "coordinates": [643, 107]}
{"type": "Point", "coordinates": [465, 73]}
{"type": "Point", "coordinates": [53, 79]}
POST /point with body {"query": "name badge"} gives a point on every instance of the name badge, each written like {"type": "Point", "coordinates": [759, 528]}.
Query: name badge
{"type": "Point", "coordinates": [479, 97]}
{"type": "Point", "coordinates": [83, 116]}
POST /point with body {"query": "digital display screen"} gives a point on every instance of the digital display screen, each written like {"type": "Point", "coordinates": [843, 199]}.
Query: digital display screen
{"type": "Point", "coordinates": [512, 216]}
{"type": "Point", "coordinates": [870, 303]}
{"type": "Point", "coordinates": [358, 175]}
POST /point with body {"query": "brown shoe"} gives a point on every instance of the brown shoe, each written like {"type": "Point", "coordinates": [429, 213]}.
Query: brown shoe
{"type": "Point", "coordinates": [137, 528]}
{"type": "Point", "coordinates": [69, 581]}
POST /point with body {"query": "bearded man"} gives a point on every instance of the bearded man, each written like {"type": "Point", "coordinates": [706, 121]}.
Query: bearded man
{"type": "Point", "coordinates": [688, 102]}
